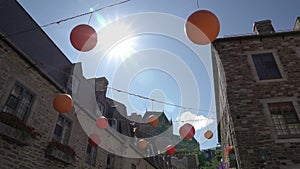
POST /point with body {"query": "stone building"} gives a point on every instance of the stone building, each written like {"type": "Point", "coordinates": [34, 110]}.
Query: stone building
{"type": "Point", "coordinates": [184, 158]}
{"type": "Point", "coordinates": [257, 86]}
{"type": "Point", "coordinates": [32, 134]}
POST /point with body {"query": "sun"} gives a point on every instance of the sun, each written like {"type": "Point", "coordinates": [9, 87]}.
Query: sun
{"type": "Point", "coordinates": [125, 42]}
{"type": "Point", "coordinates": [123, 49]}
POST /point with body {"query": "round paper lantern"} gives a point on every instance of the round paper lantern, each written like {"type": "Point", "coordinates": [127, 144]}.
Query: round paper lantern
{"type": "Point", "coordinates": [83, 38]}
{"type": "Point", "coordinates": [153, 120]}
{"type": "Point", "coordinates": [227, 150]}
{"type": "Point", "coordinates": [171, 149]}
{"type": "Point", "coordinates": [187, 131]}
{"type": "Point", "coordinates": [102, 122]}
{"type": "Point", "coordinates": [63, 103]}
{"type": "Point", "coordinates": [202, 27]}
{"type": "Point", "coordinates": [94, 140]}
{"type": "Point", "coordinates": [208, 134]}
{"type": "Point", "coordinates": [142, 143]}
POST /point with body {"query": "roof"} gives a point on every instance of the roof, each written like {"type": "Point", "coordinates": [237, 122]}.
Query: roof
{"type": "Point", "coordinates": [161, 116]}
{"type": "Point", "coordinates": [18, 28]}
{"type": "Point", "coordinates": [257, 36]}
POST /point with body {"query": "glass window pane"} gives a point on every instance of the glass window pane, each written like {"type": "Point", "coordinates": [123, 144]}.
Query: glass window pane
{"type": "Point", "coordinates": [58, 130]}
{"type": "Point", "coordinates": [285, 118]}
{"type": "Point", "coordinates": [12, 102]}
{"type": "Point", "coordinates": [19, 102]}
{"type": "Point", "coordinates": [266, 66]}
{"type": "Point", "coordinates": [62, 130]}
{"type": "Point", "coordinates": [17, 90]}
{"type": "Point", "coordinates": [291, 117]}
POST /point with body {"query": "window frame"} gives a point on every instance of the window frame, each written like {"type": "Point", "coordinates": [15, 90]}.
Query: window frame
{"type": "Point", "coordinates": [70, 130]}
{"type": "Point", "coordinates": [110, 160]}
{"type": "Point", "coordinates": [286, 123]}
{"type": "Point", "coordinates": [24, 90]}
{"type": "Point", "coordinates": [89, 158]}
{"type": "Point", "coordinates": [254, 70]}
{"type": "Point", "coordinates": [294, 101]}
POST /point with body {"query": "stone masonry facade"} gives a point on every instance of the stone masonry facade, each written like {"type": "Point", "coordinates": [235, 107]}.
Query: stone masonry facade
{"type": "Point", "coordinates": [242, 99]}
{"type": "Point", "coordinates": [43, 118]}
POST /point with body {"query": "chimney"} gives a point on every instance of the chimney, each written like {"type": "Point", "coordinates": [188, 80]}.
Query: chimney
{"type": "Point", "coordinates": [101, 84]}
{"type": "Point", "coordinates": [263, 27]}
{"type": "Point", "coordinates": [297, 24]}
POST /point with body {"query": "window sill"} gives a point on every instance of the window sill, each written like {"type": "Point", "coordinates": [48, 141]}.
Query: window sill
{"type": "Point", "coordinates": [271, 80]}
{"type": "Point", "coordinates": [288, 140]}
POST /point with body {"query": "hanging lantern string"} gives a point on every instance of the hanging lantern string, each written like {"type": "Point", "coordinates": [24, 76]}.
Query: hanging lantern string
{"type": "Point", "coordinates": [90, 18]}
{"type": "Point", "coordinates": [198, 4]}
{"type": "Point", "coordinates": [66, 19]}
{"type": "Point", "coordinates": [174, 121]}
{"type": "Point", "coordinates": [133, 94]}
{"type": "Point", "coordinates": [155, 100]}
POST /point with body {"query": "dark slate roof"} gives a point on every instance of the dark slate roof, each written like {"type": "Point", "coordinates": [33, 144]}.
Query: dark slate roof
{"type": "Point", "coordinates": [18, 28]}
{"type": "Point", "coordinates": [161, 116]}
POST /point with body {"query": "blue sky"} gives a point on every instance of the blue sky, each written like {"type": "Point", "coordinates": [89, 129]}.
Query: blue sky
{"type": "Point", "coordinates": [155, 65]}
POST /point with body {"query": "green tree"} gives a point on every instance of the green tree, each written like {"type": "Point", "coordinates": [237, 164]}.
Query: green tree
{"type": "Point", "coordinates": [214, 163]}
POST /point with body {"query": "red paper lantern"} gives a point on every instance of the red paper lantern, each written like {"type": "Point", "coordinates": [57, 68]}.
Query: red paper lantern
{"type": "Point", "coordinates": [142, 143]}
{"type": "Point", "coordinates": [171, 149]}
{"type": "Point", "coordinates": [187, 131]}
{"type": "Point", "coordinates": [83, 38]}
{"type": "Point", "coordinates": [227, 150]}
{"type": "Point", "coordinates": [94, 140]}
{"type": "Point", "coordinates": [63, 103]}
{"type": "Point", "coordinates": [153, 120]}
{"type": "Point", "coordinates": [202, 27]}
{"type": "Point", "coordinates": [208, 134]}
{"type": "Point", "coordinates": [102, 122]}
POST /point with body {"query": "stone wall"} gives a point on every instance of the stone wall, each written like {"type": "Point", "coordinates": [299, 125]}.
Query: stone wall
{"type": "Point", "coordinates": [247, 97]}
{"type": "Point", "coordinates": [43, 118]}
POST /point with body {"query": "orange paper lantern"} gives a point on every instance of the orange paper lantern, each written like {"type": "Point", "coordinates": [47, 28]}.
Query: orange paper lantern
{"type": "Point", "coordinates": [208, 134]}
{"type": "Point", "coordinates": [63, 103]}
{"type": "Point", "coordinates": [202, 27]}
{"type": "Point", "coordinates": [142, 143]}
{"type": "Point", "coordinates": [83, 38]}
{"type": "Point", "coordinates": [171, 149]}
{"type": "Point", "coordinates": [187, 131]}
{"type": "Point", "coordinates": [94, 140]}
{"type": "Point", "coordinates": [102, 122]}
{"type": "Point", "coordinates": [153, 120]}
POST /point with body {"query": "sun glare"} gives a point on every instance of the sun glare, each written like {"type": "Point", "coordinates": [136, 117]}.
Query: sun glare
{"type": "Point", "coordinates": [125, 42]}
{"type": "Point", "coordinates": [123, 49]}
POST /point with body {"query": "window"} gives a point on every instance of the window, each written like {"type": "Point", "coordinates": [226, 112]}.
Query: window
{"type": "Point", "coordinates": [110, 161]}
{"type": "Point", "coordinates": [62, 130]}
{"type": "Point", "coordinates": [133, 166]}
{"type": "Point", "coordinates": [266, 66]}
{"type": "Point", "coordinates": [285, 119]}
{"type": "Point", "coordinates": [113, 122]}
{"type": "Point", "coordinates": [91, 154]}
{"type": "Point", "coordinates": [19, 102]}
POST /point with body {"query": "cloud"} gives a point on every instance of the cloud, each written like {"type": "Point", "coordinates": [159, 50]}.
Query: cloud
{"type": "Point", "coordinates": [198, 121]}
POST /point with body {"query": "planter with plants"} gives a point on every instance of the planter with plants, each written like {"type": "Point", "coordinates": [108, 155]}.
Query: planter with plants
{"type": "Point", "coordinates": [61, 152]}
{"type": "Point", "coordinates": [15, 131]}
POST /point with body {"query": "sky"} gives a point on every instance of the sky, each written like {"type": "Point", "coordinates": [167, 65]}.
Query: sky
{"type": "Point", "coordinates": [142, 49]}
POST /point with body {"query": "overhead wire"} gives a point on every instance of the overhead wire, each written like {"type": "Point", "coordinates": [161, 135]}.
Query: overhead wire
{"type": "Point", "coordinates": [65, 19]}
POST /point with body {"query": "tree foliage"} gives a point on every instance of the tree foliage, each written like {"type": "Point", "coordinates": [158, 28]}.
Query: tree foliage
{"type": "Point", "coordinates": [213, 163]}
